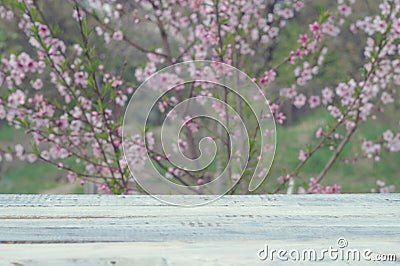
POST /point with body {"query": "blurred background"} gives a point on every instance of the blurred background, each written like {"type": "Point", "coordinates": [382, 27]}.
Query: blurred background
{"type": "Point", "coordinates": [344, 58]}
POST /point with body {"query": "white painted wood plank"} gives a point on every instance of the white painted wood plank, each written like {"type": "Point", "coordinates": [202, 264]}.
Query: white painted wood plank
{"type": "Point", "coordinates": [226, 232]}
{"type": "Point", "coordinates": [144, 200]}
{"type": "Point", "coordinates": [178, 253]}
{"type": "Point", "coordinates": [88, 218]}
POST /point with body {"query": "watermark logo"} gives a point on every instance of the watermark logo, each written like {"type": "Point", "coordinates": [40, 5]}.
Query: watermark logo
{"type": "Point", "coordinates": [226, 100]}
{"type": "Point", "coordinates": [342, 242]}
{"type": "Point", "coordinates": [340, 252]}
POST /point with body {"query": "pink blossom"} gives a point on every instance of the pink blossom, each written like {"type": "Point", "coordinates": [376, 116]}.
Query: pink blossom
{"type": "Point", "coordinates": [43, 30]}
{"type": "Point", "coordinates": [274, 108]}
{"type": "Point", "coordinates": [17, 98]}
{"type": "Point", "coordinates": [380, 25]}
{"type": "Point", "coordinates": [303, 38]}
{"type": "Point", "coordinates": [77, 49]}
{"type": "Point", "coordinates": [283, 179]}
{"type": "Point", "coordinates": [78, 15]}
{"type": "Point", "coordinates": [280, 118]}
{"type": "Point", "coordinates": [286, 13]}
{"type": "Point", "coordinates": [327, 96]}
{"type": "Point", "coordinates": [370, 148]}
{"type": "Point", "coordinates": [366, 110]}
{"type": "Point", "coordinates": [315, 27]}
{"type": "Point", "coordinates": [335, 112]}
{"type": "Point", "coordinates": [150, 140]}
{"type": "Point", "coordinates": [394, 144]}
{"type": "Point", "coordinates": [344, 10]}
{"type": "Point", "coordinates": [219, 108]}
{"type": "Point", "coordinates": [107, 37]}
{"type": "Point", "coordinates": [288, 92]}
{"type": "Point", "coordinates": [99, 30]}
{"type": "Point", "coordinates": [382, 188]}
{"type": "Point", "coordinates": [386, 98]}
{"type": "Point", "coordinates": [81, 78]}
{"type": "Point", "coordinates": [330, 29]}
{"type": "Point", "coordinates": [298, 5]}
{"type": "Point", "coordinates": [19, 150]}
{"type": "Point", "coordinates": [268, 78]}
{"type": "Point", "coordinates": [316, 188]}
{"type": "Point", "coordinates": [37, 84]}
{"type": "Point", "coordinates": [86, 103]}
{"type": "Point", "coordinates": [388, 135]}
{"type": "Point", "coordinates": [191, 125]}
{"type": "Point", "coordinates": [302, 155]}
{"type": "Point", "coordinates": [104, 188]}
{"type": "Point", "coordinates": [31, 158]}
{"type": "Point", "coordinates": [118, 36]}
{"type": "Point", "coordinates": [314, 101]}
{"type": "Point", "coordinates": [319, 133]}
{"type": "Point", "coordinates": [8, 157]}
{"type": "Point", "coordinates": [71, 177]}
{"type": "Point", "coordinates": [300, 100]}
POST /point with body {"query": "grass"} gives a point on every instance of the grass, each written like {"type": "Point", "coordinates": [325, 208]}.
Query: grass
{"type": "Point", "coordinates": [29, 178]}
{"type": "Point", "coordinates": [21, 177]}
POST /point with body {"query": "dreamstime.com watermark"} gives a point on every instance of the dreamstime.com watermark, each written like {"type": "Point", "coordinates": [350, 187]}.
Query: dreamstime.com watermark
{"type": "Point", "coordinates": [340, 252]}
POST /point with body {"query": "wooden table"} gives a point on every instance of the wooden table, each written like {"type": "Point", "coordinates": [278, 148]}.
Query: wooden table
{"type": "Point", "coordinates": [139, 230]}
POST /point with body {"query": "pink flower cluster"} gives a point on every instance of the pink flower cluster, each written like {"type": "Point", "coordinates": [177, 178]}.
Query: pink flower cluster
{"type": "Point", "coordinates": [316, 188]}
{"type": "Point", "coordinates": [382, 188]}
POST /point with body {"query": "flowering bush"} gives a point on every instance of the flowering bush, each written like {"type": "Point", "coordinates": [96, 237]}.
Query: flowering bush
{"type": "Point", "coordinates": [68, 94]}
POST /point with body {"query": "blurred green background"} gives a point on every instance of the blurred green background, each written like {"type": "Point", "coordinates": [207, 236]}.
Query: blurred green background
{"type": "Point", "coordinates": [343, 60]}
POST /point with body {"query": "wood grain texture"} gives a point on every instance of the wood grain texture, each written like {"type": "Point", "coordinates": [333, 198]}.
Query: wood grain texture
{"type": "Point", "coordinates": [226, 232]}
